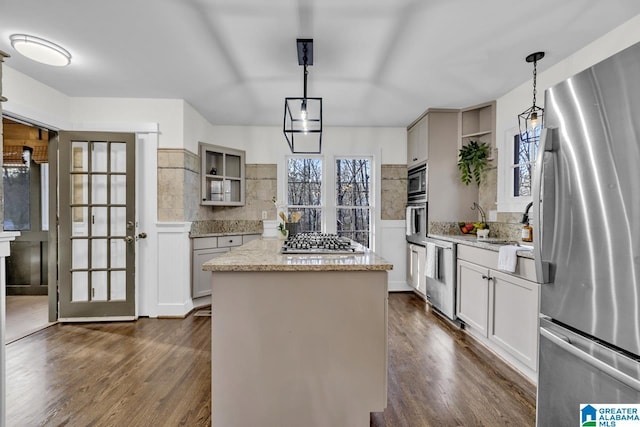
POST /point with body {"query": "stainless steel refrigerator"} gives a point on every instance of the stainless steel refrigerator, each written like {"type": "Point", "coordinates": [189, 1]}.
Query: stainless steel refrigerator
{"type": "Point", "coordinates": [587, 232]}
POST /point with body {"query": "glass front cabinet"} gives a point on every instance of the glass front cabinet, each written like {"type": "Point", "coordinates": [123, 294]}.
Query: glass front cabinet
{"type": "Point", "coordinates": [222, 171]}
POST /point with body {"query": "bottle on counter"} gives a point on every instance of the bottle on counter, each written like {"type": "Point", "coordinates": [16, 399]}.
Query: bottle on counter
{"type": "Point", "coordinates": [527, 233]}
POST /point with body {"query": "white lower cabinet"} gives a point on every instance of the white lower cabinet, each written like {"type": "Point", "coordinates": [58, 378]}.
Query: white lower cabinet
{"type": "Point", "coordinates": [201, 280]}
{"type": "Point", "coordinates": [498, 308]}
{"type": "Point", "coordinates": [473, 296]}
{"type": "Point", "coordinates": [206, 248]}
{"type": "Point", "coordinates": [416, 261]}
{"type": "Point", "coordinates": [514, 322]}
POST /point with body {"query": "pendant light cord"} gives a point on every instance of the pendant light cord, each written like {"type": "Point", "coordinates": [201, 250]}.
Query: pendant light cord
{"type": "Point", "coordinates": [304, 59]}
{"type": "Point", "coordinates": [535, 74]}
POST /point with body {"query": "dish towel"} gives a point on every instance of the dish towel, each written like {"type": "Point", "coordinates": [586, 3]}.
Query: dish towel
{"type": "Point", "coordinates": [409, 220]}
{"type": "Point", "coordinates": [431, 268]}
{"type": "Point", "coordinates": [507, 258]}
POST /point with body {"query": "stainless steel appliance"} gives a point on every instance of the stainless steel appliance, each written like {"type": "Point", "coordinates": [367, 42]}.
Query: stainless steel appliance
{"type": "Point", "coordinates": [417, 184]}
{"type": "Point", "coordinates": [440, 272]}
{"type": "Point", "coordinates": [321, 243]}
{"type": "Point", "coordinates": [416, 221]}
{"type": "Point", "coordinates": [587, 245]}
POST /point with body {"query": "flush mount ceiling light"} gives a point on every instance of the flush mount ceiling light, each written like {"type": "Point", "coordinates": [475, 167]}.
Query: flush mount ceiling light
{"type": "Point", "coordinates": [303, 116]}
{"type": "Point", "coordinates": [531, 121]}
{"type": "Point", "coordinates": [40, 50]}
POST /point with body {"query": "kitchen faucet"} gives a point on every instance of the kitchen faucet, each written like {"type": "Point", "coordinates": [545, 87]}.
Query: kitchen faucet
{"type": "Point", "coordinates": [525, 216]}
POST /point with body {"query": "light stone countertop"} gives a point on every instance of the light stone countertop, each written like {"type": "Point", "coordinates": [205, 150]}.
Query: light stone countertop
{"type": "Point", "coordinates": [264, 255]}
{"type": "Point", "coordinates": [238, 233]}
{"type": "Point", "coordinates": [491, 244]}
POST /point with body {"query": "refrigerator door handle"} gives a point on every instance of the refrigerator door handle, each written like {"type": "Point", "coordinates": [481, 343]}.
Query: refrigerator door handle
{"type": "Point", "coordinates": [545, 146]}
{"type": "Point", "coordinates": [566, 345]}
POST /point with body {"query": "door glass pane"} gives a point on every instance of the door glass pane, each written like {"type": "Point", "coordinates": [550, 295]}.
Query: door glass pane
{"type": "Point", "coordinates": [79, 253]}
{"type": "Point", "coordinates": [99, 189]}
{"type": "Point", "coordinates": [79, 288]}
{"type": "Point", "coordinates": [118, 189]}
{"type": "Point", "coordinates": [99, 285]}
{"type": "Point", "coordinates": [99, 157]}
{"type": "Point", "coordinates": [79, 186]}
{"type": "Point", "coordinates": [118, 253]}
{"type": "Point", "coordinates": [118, 221]}
{"type": "Point", "coordinates": [80, 224]}
{"type": "Point", "coordinates": [118, 157]}
{"type": "Point", "coordinates": [79, 156]}
{"type": "Point", "coordinates": [118, 285]}
{"type": "Point", "coordinates": [99, 253]}
{"type": "Point", "coordinates": [99, 221]}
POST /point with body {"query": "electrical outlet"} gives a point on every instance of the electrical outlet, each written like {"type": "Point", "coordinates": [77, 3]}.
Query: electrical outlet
{"type": "Point", "coordinates": [264, 214]}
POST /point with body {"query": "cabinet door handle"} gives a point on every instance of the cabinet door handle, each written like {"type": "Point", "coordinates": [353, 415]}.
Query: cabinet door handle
{"type": "Point", "coordinates": [487, 277]}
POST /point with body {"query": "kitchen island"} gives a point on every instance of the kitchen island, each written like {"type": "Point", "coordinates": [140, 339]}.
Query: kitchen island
{"type": "Point", "coordinates": [297, 340]}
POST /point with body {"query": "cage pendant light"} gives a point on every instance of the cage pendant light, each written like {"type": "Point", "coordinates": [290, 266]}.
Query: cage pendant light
{"type": "Point", "coordinates": [531, 121]}
{"type": "Point", "coordinates": [303, 116]}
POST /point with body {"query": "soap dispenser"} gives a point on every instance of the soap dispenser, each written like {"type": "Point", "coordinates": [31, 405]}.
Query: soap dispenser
{"type": "Point", "coordinates": [527, 230]}
{"type": "Point", "coordinates": [527, 233]}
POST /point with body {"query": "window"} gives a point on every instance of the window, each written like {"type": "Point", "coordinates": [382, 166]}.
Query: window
{"type": "Point", "coordinates": [304, 191]}
{"type": "Point", "coordinates": [17, 194]}
{"type": "Point", "coordinates": [353, 199]}
{"type": "Point", "coordinates": [524, 157]}
{"type": "Point", "coordinates": [516, 171]}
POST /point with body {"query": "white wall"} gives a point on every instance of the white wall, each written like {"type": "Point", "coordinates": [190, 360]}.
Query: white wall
{"type": "Point", "coordinates": [113, 112]}
{"type": "Point", "coordinates": [519, 99]}
{"type": "Point", "coordinates": [28, 98]}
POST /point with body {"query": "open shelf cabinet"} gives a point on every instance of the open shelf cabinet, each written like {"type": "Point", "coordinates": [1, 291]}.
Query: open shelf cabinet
{"type": "Point", "coordinates": [223, 175]}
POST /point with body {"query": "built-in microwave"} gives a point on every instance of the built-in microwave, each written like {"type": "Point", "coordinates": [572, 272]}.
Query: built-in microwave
{"type": "Point", "coordinates": [417, 184]}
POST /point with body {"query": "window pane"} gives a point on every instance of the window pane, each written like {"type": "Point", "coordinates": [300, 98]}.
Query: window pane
{"type": "Point", "coordinates": [353, 182]}
{"type": "Point", "coordinates": [354, 224]}
{"type": "Point", "coordinates": [16, 182]}
{"type": "Point", "coordinates": [304, 182]}
{"type": "Point", "coordinates": [311, 220]}
{"type": "Point", "coordinates": [524, 156]}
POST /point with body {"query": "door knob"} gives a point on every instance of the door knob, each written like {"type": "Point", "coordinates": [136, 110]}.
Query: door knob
{"type": "Point", "coordinates": [128, 239]}
{"type": "Point", "coordinates": [142, 235]}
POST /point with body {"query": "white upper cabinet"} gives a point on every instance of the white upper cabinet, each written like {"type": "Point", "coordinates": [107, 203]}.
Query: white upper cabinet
{"type": "Point", "coordinates": [418, 142]}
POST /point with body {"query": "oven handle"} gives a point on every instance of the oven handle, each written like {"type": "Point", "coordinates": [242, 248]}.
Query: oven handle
{"type": "Point", "coordinates": [439, 245]}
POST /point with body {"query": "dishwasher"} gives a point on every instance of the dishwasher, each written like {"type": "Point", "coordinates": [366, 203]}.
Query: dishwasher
{"type": "Point", "coordinates": [440, 272]}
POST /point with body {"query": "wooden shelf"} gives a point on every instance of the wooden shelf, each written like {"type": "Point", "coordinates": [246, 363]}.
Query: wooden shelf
{"type": "Point", "coordinates": [478, 122]}
{"type": "Point", "coordinates": [481, 133]}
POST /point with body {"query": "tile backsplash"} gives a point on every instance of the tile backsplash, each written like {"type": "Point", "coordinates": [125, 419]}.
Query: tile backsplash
{"type": "Point", "coordinates": [499, 230]}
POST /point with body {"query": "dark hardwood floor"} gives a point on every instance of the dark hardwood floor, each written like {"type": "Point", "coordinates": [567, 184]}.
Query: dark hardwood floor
{"type": "Point", "coordinates": [438, 376]}
{"type": "Point", "coordinates": [157, 373]}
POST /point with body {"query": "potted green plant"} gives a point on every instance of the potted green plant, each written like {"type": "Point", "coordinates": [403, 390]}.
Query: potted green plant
{"type": "Point", "coordinates": [473, 159]}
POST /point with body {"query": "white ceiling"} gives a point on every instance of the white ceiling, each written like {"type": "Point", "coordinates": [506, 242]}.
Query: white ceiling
{"type": "Point", "coordinates": [376, 62]}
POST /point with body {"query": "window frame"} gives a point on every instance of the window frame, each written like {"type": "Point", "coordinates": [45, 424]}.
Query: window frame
{"type": "Point", "coordinates": [322, 206]}
{"type": "Point", "coordinates": [507, 202]}
{"type": "Point", "coordinates": [372, 199]}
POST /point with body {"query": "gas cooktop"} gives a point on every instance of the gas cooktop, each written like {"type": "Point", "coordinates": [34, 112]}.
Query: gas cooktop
{"type": "Point", "coordinates": [320, 243]}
